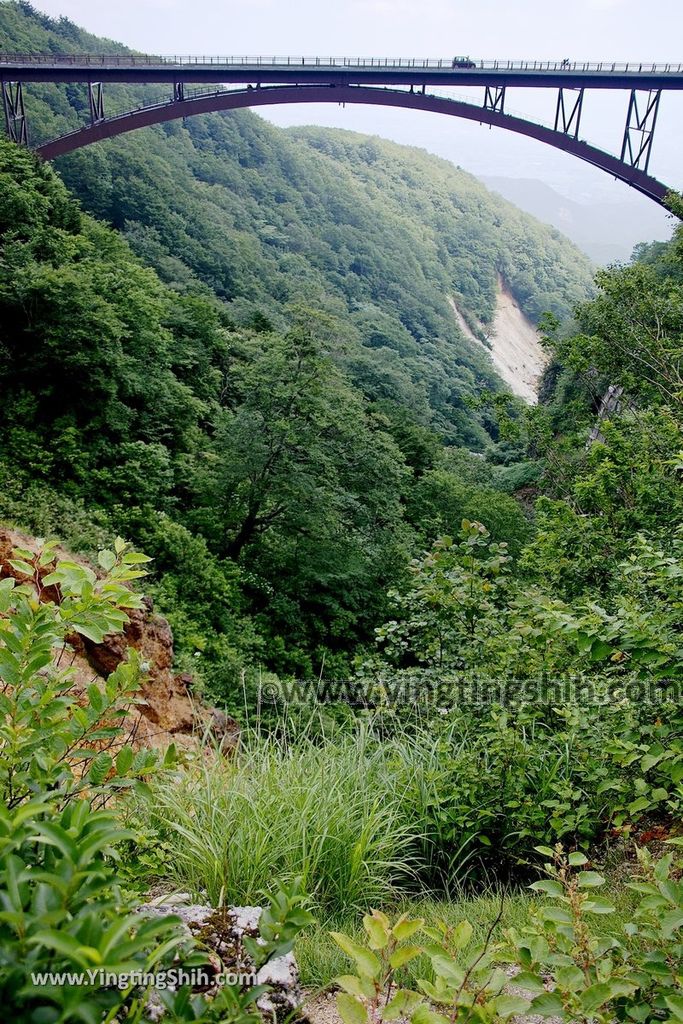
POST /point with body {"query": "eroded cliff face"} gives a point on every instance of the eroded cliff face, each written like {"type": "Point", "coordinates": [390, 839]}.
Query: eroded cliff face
{"type": "Point", "coordinates": [167, 711]}
{"type": "Point", "coordinates": [513, 345]}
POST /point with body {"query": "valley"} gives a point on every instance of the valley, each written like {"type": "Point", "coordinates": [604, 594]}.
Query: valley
{"type": "Point", "coordinates": [340, 613]}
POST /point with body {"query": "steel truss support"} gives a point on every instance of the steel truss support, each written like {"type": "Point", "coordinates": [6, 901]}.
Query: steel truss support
{"type": "Point", "coordinates": [640, 128]}
{"type": "Point", "coordinates": [159, 113]}
{"type": "Point", "coordinates": [568, 112]}
{"type": "Point", "coordinates": [494, 98]}
{"type": "Point", "coordinates": [96, 100]}
{"type": "Point", "coordinates": [15, 115]}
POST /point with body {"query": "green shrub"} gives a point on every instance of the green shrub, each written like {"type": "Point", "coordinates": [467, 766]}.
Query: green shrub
{"type": "Point", "coordinates": [61, 908]}
{"type": "Point", "coordinates": [441, 499]}
{"type": "Point", "coordinates": [369, 811]}
{"type": "Point", "coordinates": [489, 785]}
{"type": "Point", "coordinates": [598, 974]}
{"type": "Point", "coordinates": [320, 959]}
{"type": "Point", "coordinates": [466, 987]}
{"type": "Point", "coordinates": [63, 761]}
{"type": "Point", "coordinates": [454, 602]}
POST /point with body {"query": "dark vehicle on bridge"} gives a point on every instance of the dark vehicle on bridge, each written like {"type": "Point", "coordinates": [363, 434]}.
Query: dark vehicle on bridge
{"type": "Point", "coordinates": [463, 62]}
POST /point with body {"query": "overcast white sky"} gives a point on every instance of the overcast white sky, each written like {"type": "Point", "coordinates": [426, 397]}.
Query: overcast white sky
{"type": "Point", "coordinates": [538, 29]}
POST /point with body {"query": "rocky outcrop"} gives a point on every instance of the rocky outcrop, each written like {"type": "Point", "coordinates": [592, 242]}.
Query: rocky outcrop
{"type": "Point", "coordinates": [611, 404]}
{"type": "Point", "coordinates": [221, 933]}
{"type": "Point", "coordinates": [167, 711]}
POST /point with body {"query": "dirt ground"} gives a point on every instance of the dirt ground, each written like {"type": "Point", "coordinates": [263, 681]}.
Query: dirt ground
{"type": "Point", "coordinates": [321, 1007]}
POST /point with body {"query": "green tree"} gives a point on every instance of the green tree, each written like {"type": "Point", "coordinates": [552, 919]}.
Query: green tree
{"type": "Point", "coordinates": [451, 609]}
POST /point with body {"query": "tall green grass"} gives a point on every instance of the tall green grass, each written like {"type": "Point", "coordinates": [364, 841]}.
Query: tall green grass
{"type": "Point", "coordinates": [333, 813]}
{"type": "Point", "coordinates": [367, 817]}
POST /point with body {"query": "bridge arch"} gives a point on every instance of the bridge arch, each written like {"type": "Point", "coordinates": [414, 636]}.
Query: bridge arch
{"type": "Point", "coordinates": [236, 99]}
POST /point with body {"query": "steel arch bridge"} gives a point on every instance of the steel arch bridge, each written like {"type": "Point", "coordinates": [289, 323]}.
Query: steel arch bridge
{"type": "Point", "coordinates": [260, 81]}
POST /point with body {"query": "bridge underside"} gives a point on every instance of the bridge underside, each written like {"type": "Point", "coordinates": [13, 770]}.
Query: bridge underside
{"type": "Point", "coordinates": [568, 142]}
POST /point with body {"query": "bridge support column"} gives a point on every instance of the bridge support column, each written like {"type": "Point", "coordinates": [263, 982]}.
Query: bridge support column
{"type": "Point", "coordinates": [15, 114]}
{"type": "Point", "coordinates": [96, 100]}
{"type": "Point", "coordinates": [568, 112]}
{"type": "Point", "coordinates": [640, 128]}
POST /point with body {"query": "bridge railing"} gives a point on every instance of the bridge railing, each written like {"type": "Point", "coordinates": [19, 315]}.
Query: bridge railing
{"type": "Point", "coordinates": [384, 63]}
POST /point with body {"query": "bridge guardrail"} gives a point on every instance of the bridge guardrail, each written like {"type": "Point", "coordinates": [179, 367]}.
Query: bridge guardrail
{"type": "Point", "coordinates": [385, 63]}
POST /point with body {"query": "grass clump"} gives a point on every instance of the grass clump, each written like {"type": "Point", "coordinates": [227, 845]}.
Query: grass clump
{"type": "Point", "coordinates": [332, 815]}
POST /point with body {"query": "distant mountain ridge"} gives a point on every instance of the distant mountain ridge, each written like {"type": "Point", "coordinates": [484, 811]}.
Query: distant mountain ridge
{"type": "Point", "coordinates": [606, 231]}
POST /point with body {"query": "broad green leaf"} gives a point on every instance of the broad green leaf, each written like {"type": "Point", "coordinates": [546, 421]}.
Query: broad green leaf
{"type": "Point", "coordinates": [378, 932]}
{"type": "Point", "coordinates": [595, 996]}
{"type": "Point", "coordinates": [403, 929]}
{"type": "Point", "coordinates": [423, 1015]}
{"type": "Point", "coordinates": [124, 760]}
{"type": "Point", "coordinates": [590, 880]}
{"type": "Point", "coordinates": [530, 982]}
{"type": "Point", "coordinates": [506, 1005]}
{"type": "Point", "coordinates": [107, 559]}
{"type": "Point", "coordinates": [365, 959]}
{"type": "Point", "coordinates": [61, 942]}
{"type": "Point", "coordinates": [404, 955]}
{"type": "Point", "coordinates": [548, 1004]}
{"type": "Point", "coordinates": [446, 967]}
{"type": "Point", "coordinates": [100, 768]}
{"type": "Point", "coordinates": [548, 886]}
{"type": "Point", "coordinates": [674, 1003]}
{"type": "Point", "coordinates": [351, 1009]}
{"type": "Point", "coordinates": [403, 1004]}
{"type": "Point", "coordinates": [571, 978]}
{"type": "Point", "coordinates": [640, 804]}
{"type": "Point", "coordinates": [598, 905]}
{"type": "Point", "coordinates": [20, 566]}
{"type": "Point", "coordinates": [351, 984]}
{"type": "Point", "coordinates": [461, 935]}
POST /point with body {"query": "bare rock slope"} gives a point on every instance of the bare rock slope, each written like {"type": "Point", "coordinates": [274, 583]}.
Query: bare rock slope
{"type": "Point", "coordinates": [167, 712]}
{"type": "Point", "coordinates": [512, 343]}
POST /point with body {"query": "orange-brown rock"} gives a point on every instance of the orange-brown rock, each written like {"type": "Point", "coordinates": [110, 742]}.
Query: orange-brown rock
{"type": "Point", "coordinates": [167, 711]}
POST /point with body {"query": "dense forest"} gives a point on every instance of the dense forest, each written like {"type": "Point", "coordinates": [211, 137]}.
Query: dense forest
{"type": "Point", "coordinates": [231, 377]}
{"type": "Point", "coordinates": [271, 371]}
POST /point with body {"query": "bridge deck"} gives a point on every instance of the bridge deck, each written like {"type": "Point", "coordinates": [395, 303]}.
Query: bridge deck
{"type": "Point", "coordinates": [341, 70]}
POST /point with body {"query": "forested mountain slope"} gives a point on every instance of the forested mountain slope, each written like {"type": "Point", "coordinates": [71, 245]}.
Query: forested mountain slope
{"type": "Point", "coordinates": [278, 500]}
{"type": "Point", "coordinates": [254, 369]}
{"type": "Point", "coordinates": [379, 235]}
